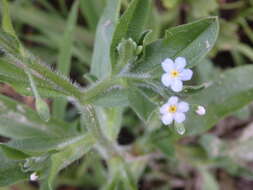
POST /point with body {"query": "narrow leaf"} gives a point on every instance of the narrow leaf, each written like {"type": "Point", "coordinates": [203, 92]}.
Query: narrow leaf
{"type": "Point", "coordinates": [64, 58]}
{"type": "Point", "coordinates": [6, 20]}
{"type": "Point", "coordinates": [101, 66]}
{"type": "Point", "coordinates": [12, 153]}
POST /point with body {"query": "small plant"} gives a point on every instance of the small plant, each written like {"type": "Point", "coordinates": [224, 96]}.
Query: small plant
{"type": "Point", "coordinates": [129, 69]}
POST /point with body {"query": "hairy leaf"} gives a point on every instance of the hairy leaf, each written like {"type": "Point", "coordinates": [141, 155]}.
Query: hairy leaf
{"type": "Point", "coordinates": [231, 91]}
{"type": "Point", "coordinates": [101, 66]}
{"type": "Point", "coordinates": [10, 171]}
{"type": "Point", "coordinates": [192, 41]}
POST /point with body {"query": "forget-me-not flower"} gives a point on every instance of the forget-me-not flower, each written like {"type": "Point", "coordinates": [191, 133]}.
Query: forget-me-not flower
{"type": "Point", "coordinates": [175, 73]}
{"type": "Point", "coordinates": [174, 110]}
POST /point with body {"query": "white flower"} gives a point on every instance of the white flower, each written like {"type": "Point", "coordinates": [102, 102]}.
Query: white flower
{"type": "Point", "coordinates": [173, 110]}
{"type": "Point", "coordinates": [33, 177]}
{"type": "Point", "coordinates": [175, 73]}
{"type": "Point", "coordinates": [201, 110]}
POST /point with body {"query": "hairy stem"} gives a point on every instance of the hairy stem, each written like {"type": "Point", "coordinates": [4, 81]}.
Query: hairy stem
{"type": "Point", "coordinates": [98, 89]}
{"type": "Point", "coordinates": [92, 124]}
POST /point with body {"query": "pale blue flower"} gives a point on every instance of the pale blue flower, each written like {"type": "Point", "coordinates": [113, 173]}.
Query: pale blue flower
{"type": "Point", "coordinates": [174, 110]}
{"type": "Point", "coordinates": [175, 73]}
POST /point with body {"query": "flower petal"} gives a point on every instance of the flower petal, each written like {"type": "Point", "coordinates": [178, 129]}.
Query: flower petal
{"type": "Point", "coordinates": [167, 119]}
{"type": "Point", "coordinates": [183, 107]}
{"type": "Point", "coordinates": [179, 117]}
{"type": "Point", "coordinates": [177, 85]}
{"type": "Point", "coordinates": [164, 108]}
{"type": "Point", "coordinates": [180, 63]}
{"type": "Point", "coordinates": [186, 74]}
{"type": "Point", "coordinates": [168, 65]}
{"type": "Point", "coordinates": [173, 100]}
{"type": "Point", "coordinates": [166, 80]}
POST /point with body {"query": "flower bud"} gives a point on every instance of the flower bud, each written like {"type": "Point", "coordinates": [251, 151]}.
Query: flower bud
{"type": "Point", "coordinates": [42, 109]}
{"type": "Point", "coordinates": [201, 110]}
{"type": "Point", "coordinates": [34, 177]}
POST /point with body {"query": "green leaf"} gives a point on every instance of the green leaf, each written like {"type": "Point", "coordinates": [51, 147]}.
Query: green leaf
{"type": "Point", "coordinates": [162, 140]}
{"type": "Point", "coordinates": [231, 91]}
{"type": "Point", "coordinates": [6, 20]}
{"type": "Point", "coordinates": [16, 77]}
{"type": "Point", "coordinates": [89, 10]}
{"type": "Point", "coordinates": [63, 159]}
{"type": "Point", "coordinates": [19, 129]}
{"type": "Point", "coordinates": [206, 71]}
{"type": "Point", "coordinates": [170, 3]}
{"type": "Point", "coordinates": [192, 41]}
{"type": "Point", "coordinates": [141, 104]}
{"type": "Point", "coordinates": [41, 106]}
{"type": "Point", "coordinates": [101, 66]}
{"type": "Point", "coordinates": [10, 171]}
{"type": "Point", "coordinates": [201, 8]}
{"type": "Point", "coordinates": [64, 57]}
{"type": "Point", "coordinates": [110, 119]}
{"type": "Point", "coordinates": [35, 65]}
{"type": "Point", "coordinates": [46, 22]}
{"type": "Point", "coordinates": [19, 121]}
{"type": "Point", "coordinates": [209, 182]}
{"type": "Point", "coordinates": [9, 43]}
{"type": "Point", "coordinates": [12, 153]}
{"type": "Point", "coordinates": [213, 146]}
{"type": "Point", "coordinates": [45, 144]}
{"type": "Point", "coordinates": [131, 25]}
{"type": "Point", "coordinates": [113, 98]}
{"type": "Point", "coordinates": [56, 78]}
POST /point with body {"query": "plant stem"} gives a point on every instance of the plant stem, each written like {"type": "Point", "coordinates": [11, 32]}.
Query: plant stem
{"type": "Point", "coordinates": [92, 124]}
{"type": "Point", "coordinates": [98, 89]}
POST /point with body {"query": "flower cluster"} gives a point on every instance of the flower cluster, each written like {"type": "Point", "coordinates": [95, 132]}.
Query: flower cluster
{"type": "Point", "coordinates": [175, 74]}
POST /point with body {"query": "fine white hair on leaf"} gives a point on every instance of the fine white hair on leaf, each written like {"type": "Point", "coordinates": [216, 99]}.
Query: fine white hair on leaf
{"type": "Point", "coordinates": [126, 68]}
{"type": "Point", "coordinates": [153, 88]}
{"type": "Point", "coordinates": [137, 75]}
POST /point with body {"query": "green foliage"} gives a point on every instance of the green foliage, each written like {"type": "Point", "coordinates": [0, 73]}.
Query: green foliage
{"type": "Point", "coordinates": [130, 25]}
{"type": "Point", "coordinates": [64, 58]}
{"type": "Point", "coordinates": [10, 170]}
{"type": "Point", "coordinates": [101, 66]}
{"type": "Point", "coordinates": [224, 96]}
{"type": "Point", "coordinates": [124, 89]}
{"type": "Point", "coordinates": [192, 41]}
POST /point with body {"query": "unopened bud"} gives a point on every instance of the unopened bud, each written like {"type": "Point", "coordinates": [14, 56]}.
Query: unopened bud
{"type": "Point", "coordinates": [201, 110]}
{"type": "Point", "coordinates": [34, 177]}
{"type": "Point", "coordinates": [42, 109]}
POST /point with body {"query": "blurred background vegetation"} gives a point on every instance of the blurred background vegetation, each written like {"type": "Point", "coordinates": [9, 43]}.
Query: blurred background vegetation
{"type": "Point", "coordinates": [222, 158]}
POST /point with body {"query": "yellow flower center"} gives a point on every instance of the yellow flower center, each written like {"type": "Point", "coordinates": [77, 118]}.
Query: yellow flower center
{"type": "Point", "coordinates": [174, 73]}
{"type": "Point", "coordinates": [172, 109]}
